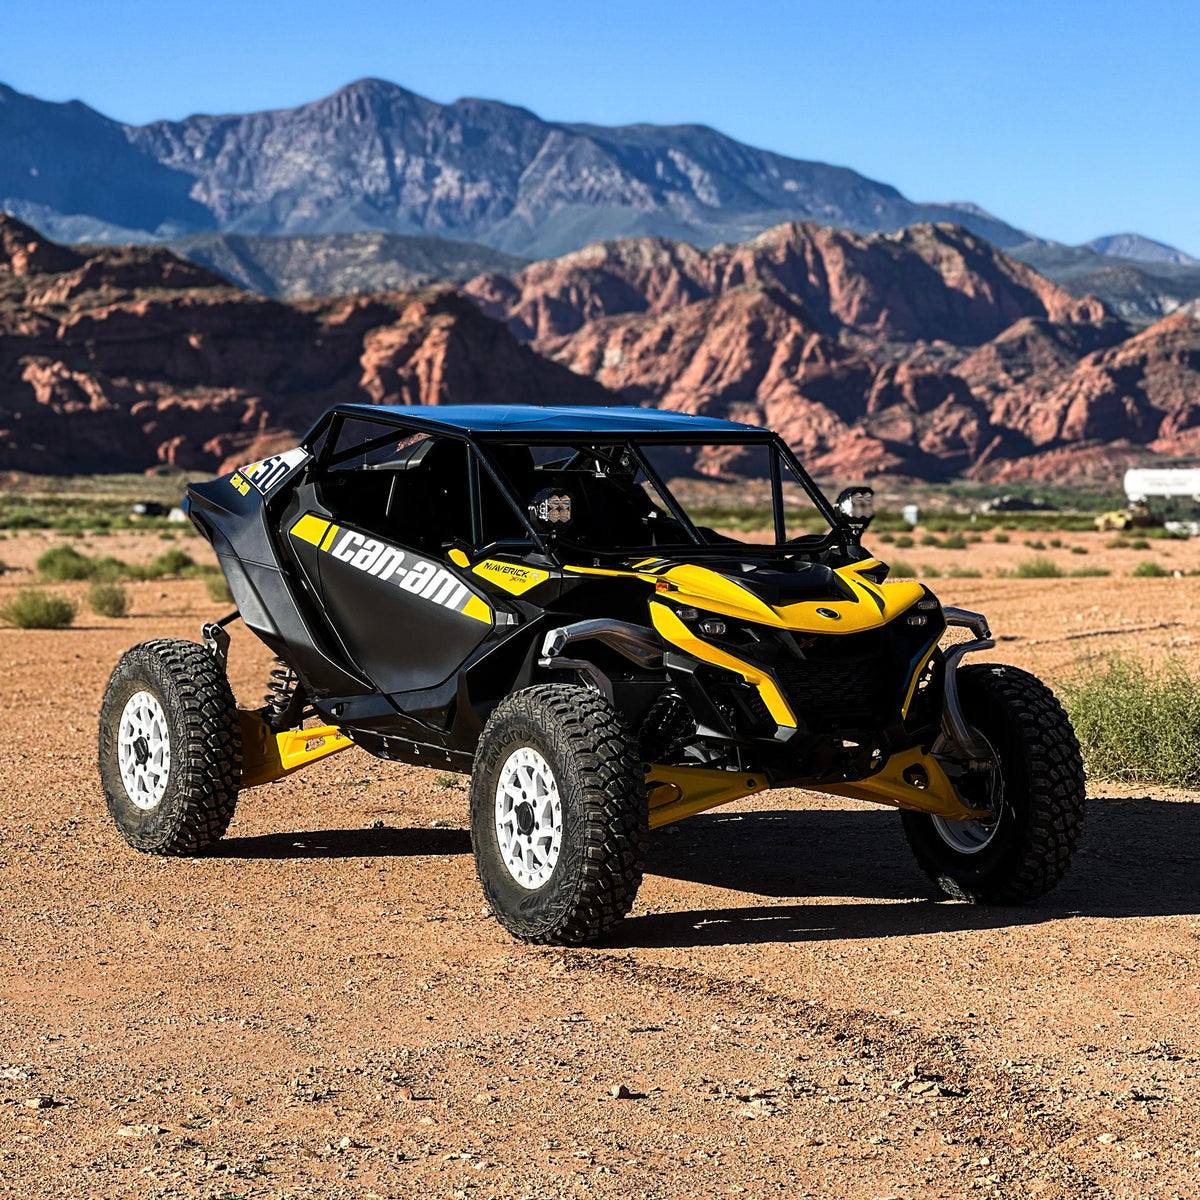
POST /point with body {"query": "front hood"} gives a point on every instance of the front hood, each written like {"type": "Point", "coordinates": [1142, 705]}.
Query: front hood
{"type": "Point", "coordinates": [805, 596]}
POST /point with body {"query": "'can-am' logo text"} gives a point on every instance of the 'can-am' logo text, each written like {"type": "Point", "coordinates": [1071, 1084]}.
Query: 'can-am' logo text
{"type": "Point", "coordinates": [424, 579]}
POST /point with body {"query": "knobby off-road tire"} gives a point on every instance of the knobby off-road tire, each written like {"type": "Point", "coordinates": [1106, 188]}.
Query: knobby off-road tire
{"type": "Point", "coordinates": [568, 741]}
{"type": "Point", "coordinates": [1041, 817]}
{"type": "Point", "coordinates": [181, 800]}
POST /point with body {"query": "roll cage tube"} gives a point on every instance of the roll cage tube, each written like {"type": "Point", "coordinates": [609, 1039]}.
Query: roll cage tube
{"type": "Point", "coordinates": [633, 447]}
{"type": "Point", "coordinates": [330, 455]}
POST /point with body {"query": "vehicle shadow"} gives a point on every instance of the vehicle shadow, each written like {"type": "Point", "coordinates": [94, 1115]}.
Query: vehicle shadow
{"type": "Point", "coordinates": [386, 842]}
{"type": "Point", "coordinates": [1138, 857]}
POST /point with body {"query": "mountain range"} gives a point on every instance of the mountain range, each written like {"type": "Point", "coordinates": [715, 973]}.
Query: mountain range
{"type": "Point", "coordinates": [927, 353]}
{"type": "Point", "coordinates": [374, 157]}
{"type": "Point", "coordinates": [379, 176]}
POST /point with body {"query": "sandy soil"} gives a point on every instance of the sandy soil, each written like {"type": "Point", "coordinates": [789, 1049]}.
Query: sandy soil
{"type": "Point", "coordinates": [322, 1008]}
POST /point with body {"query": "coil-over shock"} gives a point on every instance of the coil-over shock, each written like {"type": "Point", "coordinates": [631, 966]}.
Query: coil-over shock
{"type": "Point", "coordinates": [283, 703]}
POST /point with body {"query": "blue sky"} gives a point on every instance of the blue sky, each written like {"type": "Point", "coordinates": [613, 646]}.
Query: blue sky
{"type": "Point", "coordinates": [1069, 119]}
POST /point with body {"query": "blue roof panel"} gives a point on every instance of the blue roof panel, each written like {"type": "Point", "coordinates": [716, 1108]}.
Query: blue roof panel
{"type": "Point", "coordinates": [541, 419]}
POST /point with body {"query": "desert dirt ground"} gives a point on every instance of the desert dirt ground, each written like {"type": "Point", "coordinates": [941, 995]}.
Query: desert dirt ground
{"type": "Point", "coordinates": [321, 1007]}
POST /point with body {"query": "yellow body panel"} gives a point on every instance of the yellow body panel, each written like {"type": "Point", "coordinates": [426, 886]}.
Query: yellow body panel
{"type": "Point", "coordinates": [512, 577]}
{"type": "Point", "coordinates": [267, 755]}
{"type": "Point", "coordinates": [678, 634]}
{"type": "Point", "coordinates": [695, 586]}
{"type": "Point", "coordinates": [310, 528]}
{"type": "Point", "coordinates": [479, 609]}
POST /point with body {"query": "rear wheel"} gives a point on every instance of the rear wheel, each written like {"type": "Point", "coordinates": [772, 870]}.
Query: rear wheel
{"type": "Point", "coordinates": [1035, 792]}
{"type": "Point", "coordinates": [170, 748]}
{"type": "Point", "coordinates": [559, 821]}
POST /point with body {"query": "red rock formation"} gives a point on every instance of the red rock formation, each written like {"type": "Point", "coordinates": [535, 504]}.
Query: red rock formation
{"type": "Point", "coordinates": [928, 281]}
{"type": "Point", "coordinates": [121, 358]}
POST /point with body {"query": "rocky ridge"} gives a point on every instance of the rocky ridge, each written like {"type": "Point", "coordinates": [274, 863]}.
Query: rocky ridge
{"type": "Point", "coordinates": [927, 353]}
{"type": "Point", "coordinates": [126, 357]}
{"type": "Point", "coordinates": [376, 157]}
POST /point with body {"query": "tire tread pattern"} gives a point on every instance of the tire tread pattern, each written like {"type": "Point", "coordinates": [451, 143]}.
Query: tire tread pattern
{"type": "Point", "coordinates": [590, 741]}
{"type": "Point", "coordinates": [206, 743]}
{"type": "Point", "coordinates": [1057, 790]}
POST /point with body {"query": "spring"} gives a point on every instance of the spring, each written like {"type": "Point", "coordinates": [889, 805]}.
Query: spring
{"type": "Point", "coordinates": [281, 687]}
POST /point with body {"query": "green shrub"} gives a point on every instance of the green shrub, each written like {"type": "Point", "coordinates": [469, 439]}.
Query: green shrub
{"type": "Point", "coordinates": [34, 609]}
{"type": "Point", "coordinates": [1056, 543]}
{"type": "Point", "coordinates": [1088, 572]}
{"type": "Point", "coordinates": [955, 541]}
{"type": "Point", "coordinates": [904, 541]}
{"type": "Point", "coordinates": [973, 539]}
{"type": "Point", "coordinates": [930, 572]}
{"type": "Point", "coordinates": [1149, 569]}
{"type": "Point", "coordinates": [64, 563]}
{"type": "Point", "coordinates": [886, 538]}
{"type": "Point", "coordinates": [957, 572]}
{"type": "Point", "coordinates": [170, 562]}
{"type": "Point", "coordinates": [1134, 725]}
{"type": "Point", "coordinates": [3, 567]}
{"type": "Point", "coordinates": [108, 600]}
{"type": "Point", "coordinates": [930, 540]}
{"type": "Point", "coordinates": [1139, 544]}
{"type": "Point", "coordinates": [1038, 568]}
{"type": "Point", "coordinates": [1001, 538]}
{"type": "Point", "coordinates": [902, 569]}
{"type": "Point", "coordinates": [1079, 550]}
{"type": "Point", "coordinates": [1036, 544]}
{"type": "Point", "coordinates": [218, 589]}
{"type": "Point", "coordinates": [1118, 543]}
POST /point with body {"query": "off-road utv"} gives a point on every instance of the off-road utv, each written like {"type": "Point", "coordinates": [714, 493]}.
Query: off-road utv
{"type": "Point", "coordinates": [516, 592]}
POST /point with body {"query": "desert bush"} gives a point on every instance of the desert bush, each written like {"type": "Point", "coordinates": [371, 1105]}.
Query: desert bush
{"type": "Point", "coordinates": [901, 569]}
{"type": "Point", "coordinates": [957, 572]}
{"type": "Point", "coordinates": [218, 589]}
{"type": "Point", "coordinates": [1089, 572]}
{"type": "Point", "coordinates": [1037, 568]}
{"type": "Point", "coordinates": [1118, 543]}
{"type": "Point", "coordinates": [3, 567]}
{"type": "Point", "coordinates": [170, 562]}
{"type": "Point", "coordinates": [930, 572]}
{"type": "Point", "coordinates": [1001, 538]}
{"type": "Point", "coordinates": [62, 564]}
{"type": "Point", "coordinates": [1139, 544]}
{"type": "Point", "coordinates": [955, 541]}
{"type": "Point", "coordinates": [1149, 569]}
{"type": "Point", "coordinates": [1136, 725]}
{"type": "Point", "coordinates": [886, 538]}
{"type": "Point", "coordinates": [1036, 544]}
{"type": "Point", "coordinates": [108, 600]}
{"type": "Point", "coordinates": [1079, 549]}
{"type": "Point", "coordinates": [930, 540]}
{"type": "Point", "coordinates": [34, 609]}
{"type": "Point", "coordinates": [904, 541]}
{"type": "Point", "coordinates": [1056, 543]}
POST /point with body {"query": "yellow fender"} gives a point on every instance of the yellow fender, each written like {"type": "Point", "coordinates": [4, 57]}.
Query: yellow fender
{"type": "Point", "coordinates": [267, 755]}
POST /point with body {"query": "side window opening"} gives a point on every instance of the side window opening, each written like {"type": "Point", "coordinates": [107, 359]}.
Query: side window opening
{"type": "Point", "coordinates": [406, 486]}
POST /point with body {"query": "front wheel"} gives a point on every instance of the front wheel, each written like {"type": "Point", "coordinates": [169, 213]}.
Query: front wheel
{"type": "Point", "coordinates": [170, 748]}
{"type": "Point", "coordinates": [559, 821]}
{"type": "Point", "coordinates": [1036, 792]}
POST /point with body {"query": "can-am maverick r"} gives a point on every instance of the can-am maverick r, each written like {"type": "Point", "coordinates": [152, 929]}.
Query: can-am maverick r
{"type": "Point", "coordinates": [516, 592]}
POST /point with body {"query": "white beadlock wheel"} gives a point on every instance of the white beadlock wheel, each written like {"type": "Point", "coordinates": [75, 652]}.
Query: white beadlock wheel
{"type": "Point", "coordinates": [529, 817]}
{"type": "Point", "coordinates": [144, 750]}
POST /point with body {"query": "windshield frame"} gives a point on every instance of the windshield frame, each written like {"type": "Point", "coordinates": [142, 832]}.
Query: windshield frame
{"type": "Point", "coordinates": [554, 547]}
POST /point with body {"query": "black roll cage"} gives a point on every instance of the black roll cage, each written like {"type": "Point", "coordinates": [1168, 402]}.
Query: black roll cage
{"type": "Point", "coordinates": [476, 443]}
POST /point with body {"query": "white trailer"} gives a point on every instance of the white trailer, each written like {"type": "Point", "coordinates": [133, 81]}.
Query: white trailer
{"type": "Point", "coordinates": [1172, 482]}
